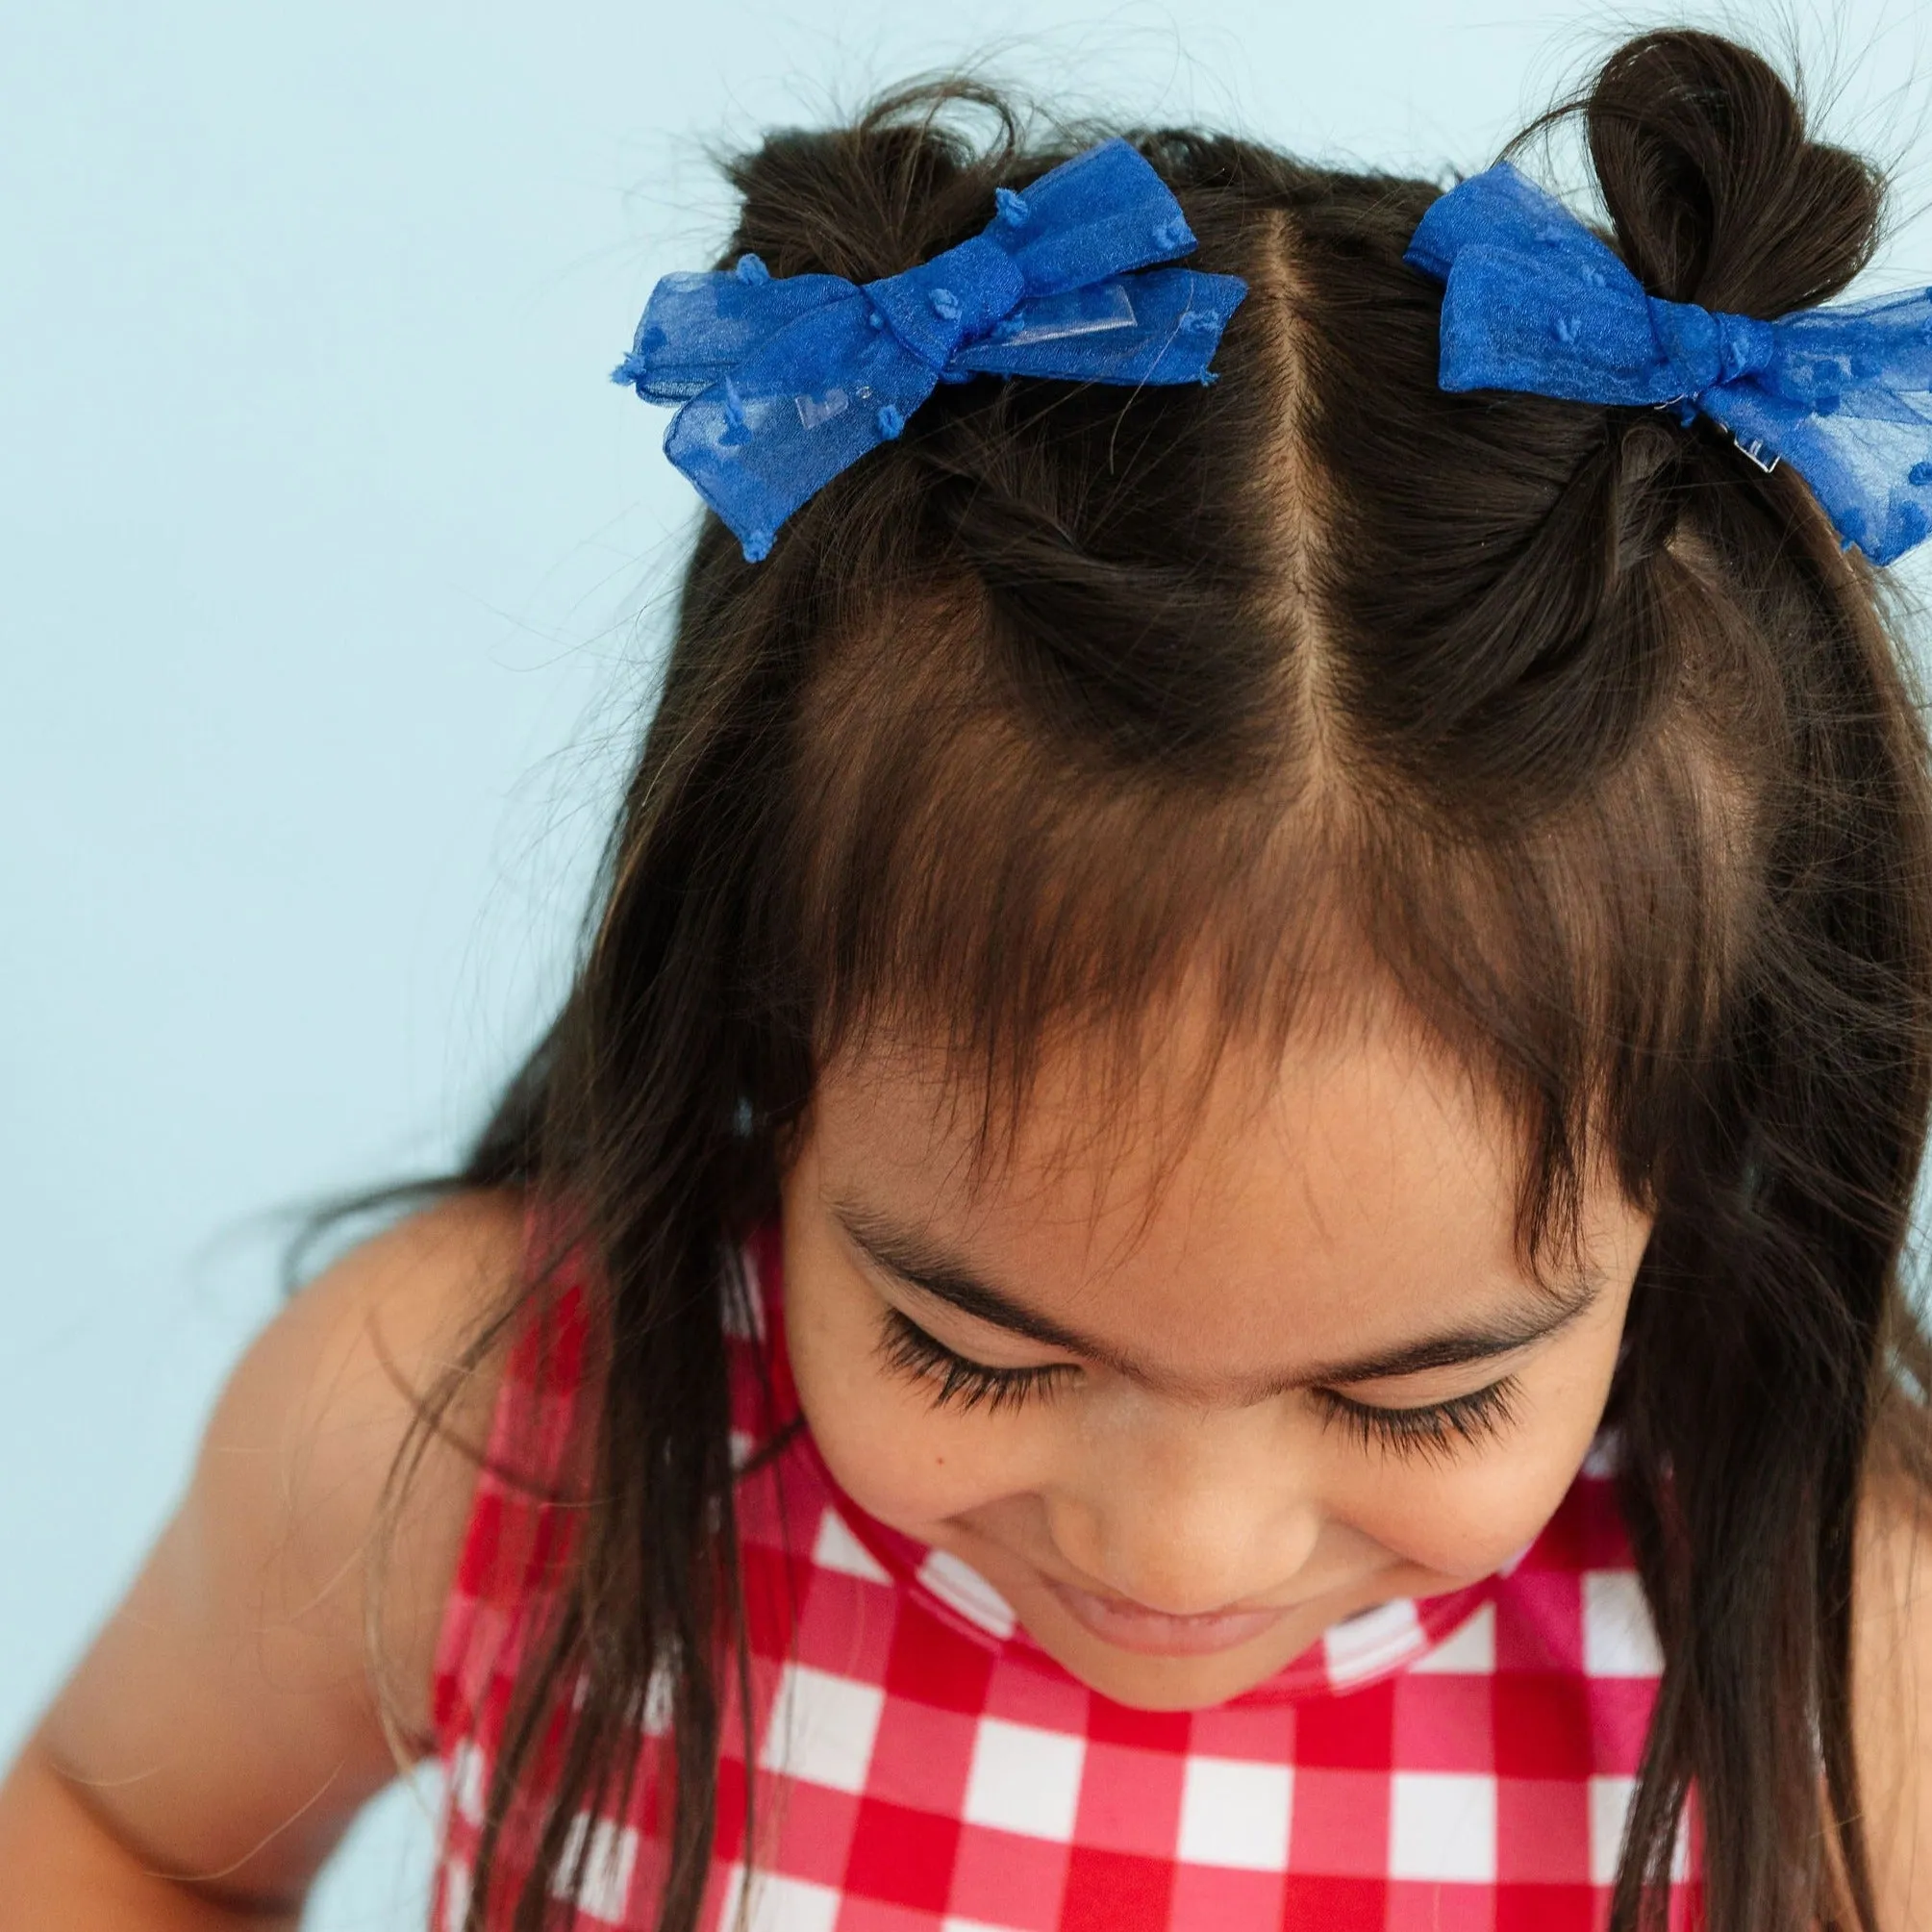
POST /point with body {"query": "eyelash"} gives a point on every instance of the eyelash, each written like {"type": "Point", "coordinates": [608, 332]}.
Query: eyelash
{"type": "Point", "coordinates": [955, 1380]}
{"type": "Point", "coordinates": [1432, 1432]}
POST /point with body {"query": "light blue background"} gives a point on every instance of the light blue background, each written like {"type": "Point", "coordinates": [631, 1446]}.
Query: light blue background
{"type": "Point", "coordinates": [328, 562]}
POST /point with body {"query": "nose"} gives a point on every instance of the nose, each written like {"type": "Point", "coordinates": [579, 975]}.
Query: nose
{"type": "Point", "coordinates": [1187, 1514]}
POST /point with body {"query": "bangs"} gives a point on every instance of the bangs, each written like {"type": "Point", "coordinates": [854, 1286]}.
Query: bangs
{"type": "Point", "coordinates": [979, 886]}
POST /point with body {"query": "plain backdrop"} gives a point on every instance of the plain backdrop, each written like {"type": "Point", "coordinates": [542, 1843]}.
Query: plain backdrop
{"type": "Point", "coordinates": [332, 567]}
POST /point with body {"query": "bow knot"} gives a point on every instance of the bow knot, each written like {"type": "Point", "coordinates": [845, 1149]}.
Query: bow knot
{"type": "Point", "coordinates": [1706, 347]}
{"type": "Point", "coordinates": [956, 298]}
{"type": "Point", "coordinates": [783, 381]}
{"type": "Point", "coordinates": [1534, 301]}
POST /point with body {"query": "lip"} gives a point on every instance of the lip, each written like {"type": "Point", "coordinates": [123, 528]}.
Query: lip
{"type": "Point", "coordinates": [1154, 1633]}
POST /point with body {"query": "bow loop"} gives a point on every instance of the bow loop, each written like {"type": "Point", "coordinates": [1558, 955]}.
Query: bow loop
{"type": "Point", "coordinates": [698, 327]}
{"type": "Point", "coordinates": [786, 381]}
{"type": "Point", "coordinates": [1534, 301]}
{"type": "Point", "coordinates": [1104, 213]}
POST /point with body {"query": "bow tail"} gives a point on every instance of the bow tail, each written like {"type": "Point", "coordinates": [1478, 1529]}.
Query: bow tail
{"type": "Point", "coordinates": [1869, 461]}
{"type": "Point", "coordinates": [758, 443]}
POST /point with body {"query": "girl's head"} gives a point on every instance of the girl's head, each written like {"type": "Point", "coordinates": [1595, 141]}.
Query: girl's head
{"type": "Point", "coordinates": [1276, 947]}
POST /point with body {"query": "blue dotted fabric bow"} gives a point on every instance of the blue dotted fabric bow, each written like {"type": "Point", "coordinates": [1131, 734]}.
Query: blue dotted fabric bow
{"type": "Point", "coordinates": [1534, 301]}
{"type": "Point", "coordinates": [783, 381]}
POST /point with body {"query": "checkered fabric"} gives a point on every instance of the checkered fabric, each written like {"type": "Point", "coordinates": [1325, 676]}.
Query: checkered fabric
{"type": "Point", "coordinates": [1459, 1763]}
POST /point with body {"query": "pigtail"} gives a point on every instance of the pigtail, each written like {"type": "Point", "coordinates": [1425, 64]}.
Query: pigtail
{"type": "Point", "coordinates": [1716, 192]}
{"type": "Point", "coordinates": [901, 183]}
{"type": "Point", "coordinates": [1793, 1179]}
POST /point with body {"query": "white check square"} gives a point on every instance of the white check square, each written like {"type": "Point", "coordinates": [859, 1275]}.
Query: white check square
{"type": "Point", "coordinates": [1618, 1638]}
{"type": "Point", "coordinates": [1024, 1780]}
{"type": "Point", "coordinates": [836, 1547]}
{"type": "Point", "coordinates": [466, 1774]}
{"type": "Point", "coordinates": [1362, 1644]}
{"type": "Point", "coordinates": [1442, 1825]}
{"type": "Point", "coordinates": [780, 1904]}
{"type": "Point", "coordinates": [455, 1897]}
{"type": "Point", "coordinates": [1610, 1800]}
{"type": "Point", "coordinates": [1235, 1814]}
{"type": "Point", "coordinates": [1467, 1651]}
{"type": "Point", "coordinates": [1609, 1809]}
{"type": "Point", "coordinates": [605, 1891]}
{"type": "Point", "coordinates": [822, 1728]}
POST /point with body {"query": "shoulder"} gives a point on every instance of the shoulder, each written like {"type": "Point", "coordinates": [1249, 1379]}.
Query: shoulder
{"type": "Point", "coordinates": [253, 1687]}
{"type": "Point", "coordinates": [1891, 1693]}
{"type": "Point", "coordinates": [300, 1448]}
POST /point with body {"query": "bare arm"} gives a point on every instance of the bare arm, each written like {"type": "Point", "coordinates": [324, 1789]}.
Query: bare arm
{"type": "Point", "coordinates": [216, 1739]}
{"type": "Point", "coordinates": [1892, 1699]}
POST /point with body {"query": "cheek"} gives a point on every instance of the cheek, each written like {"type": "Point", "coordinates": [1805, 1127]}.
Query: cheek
{"type": "Point", "coordinates": [1463, 1521]}
{"type": "Point", "coordinates": [897, 1457]}
{"type": "Point", "coordinates": [1474, 1512]}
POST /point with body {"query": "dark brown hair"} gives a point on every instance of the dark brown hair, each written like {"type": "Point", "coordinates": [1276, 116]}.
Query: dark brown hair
{"type": "Point", "coordinates": [1566, 725]}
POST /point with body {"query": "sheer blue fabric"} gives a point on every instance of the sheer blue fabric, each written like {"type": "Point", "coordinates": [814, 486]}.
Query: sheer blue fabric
{"type": "Point", "coordinates": [1534, 301]}
{"type": "Point", "coordinates": [783, 381]}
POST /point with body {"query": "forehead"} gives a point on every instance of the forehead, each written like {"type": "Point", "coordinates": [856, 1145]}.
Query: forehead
{"type": "Point", "coordinates": [1361, 1188]}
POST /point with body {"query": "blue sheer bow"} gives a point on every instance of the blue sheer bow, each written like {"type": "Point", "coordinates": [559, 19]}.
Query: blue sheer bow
{"type": "Point", "coordinates": [783, 381]}
{"type": "Point", "coordinates": [1534, 301]}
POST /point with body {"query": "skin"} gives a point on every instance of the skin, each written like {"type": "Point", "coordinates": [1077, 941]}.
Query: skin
{"type": "Point", "coordinates": [1185, 1506]}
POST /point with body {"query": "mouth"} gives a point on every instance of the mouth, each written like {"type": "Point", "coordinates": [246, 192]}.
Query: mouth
{"type": "Point", "coordinates": [1155, 1633]}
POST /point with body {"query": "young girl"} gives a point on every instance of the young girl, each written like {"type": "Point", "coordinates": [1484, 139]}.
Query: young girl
{"type": "Point", "coordinates": [1213, 1237]}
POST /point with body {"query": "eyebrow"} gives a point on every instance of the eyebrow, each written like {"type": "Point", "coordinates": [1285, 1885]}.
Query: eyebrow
{"type": "Point", "coordinates": [921, 1264]}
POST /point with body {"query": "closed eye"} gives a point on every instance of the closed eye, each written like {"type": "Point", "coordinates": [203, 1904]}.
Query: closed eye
{"type": "Point", "coordinates": [957, 1381]}
{"type": "Point", "coordinates": [1433, 1431]}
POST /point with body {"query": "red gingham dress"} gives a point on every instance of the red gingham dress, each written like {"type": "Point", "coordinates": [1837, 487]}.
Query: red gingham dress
{"type": "Point", "coordinates": [1454, 1763]}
